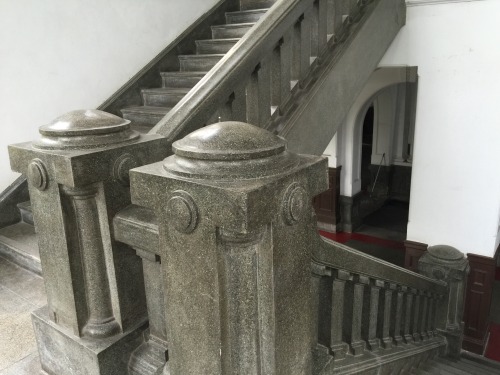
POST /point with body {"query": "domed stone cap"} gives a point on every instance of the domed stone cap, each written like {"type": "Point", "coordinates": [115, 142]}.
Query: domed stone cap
{"type": "Point", "coordinates": [230, 140]}
{"type": "Point", "coordinates": [230, 150]}
{"type": "Point", "coordinates": [84, 129]}
{"type": "Point", "coordinates": [446, 253]}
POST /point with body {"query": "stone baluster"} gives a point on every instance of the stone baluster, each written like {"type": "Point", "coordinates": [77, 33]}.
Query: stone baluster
{"type": "Point", "coordinates": [318, 273]}
{"type": "Point", "coordinates": [398, 315]}
{"type": "Point", "coordinates": [152, 355]}
{"type": "Point", "coordinates": [372, 315]}
{"type": "Point", "coordinates": [431, 317]}
{"type": "Point", "coordinates": [385, 314]}
{"type": "Point", "coordinates": [415, 325]}
{"type": "Point", "coordinates": [424, 315]}
{"type": "Point", "coordinates": [286, 55]}
{"type": "Point", "coordinates": [354, 314]}
{"type": "Point", "coordinates": [338, 346]}
{"type": "Point", "coordinates": [408, 316]}
{"type": "Point", "coordinates": [235, 243]}
{"type": "Point", "coordinates": [448, 264]}
{"type": "Point", "coordinates": [77, 174]}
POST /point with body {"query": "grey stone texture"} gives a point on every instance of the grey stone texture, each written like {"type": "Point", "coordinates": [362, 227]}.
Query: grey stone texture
{"type": "Point", "coordinates": [233, 209]}
{"type": "Point", "coordinates": [21, 292]}
{"type": "Point", "coordinates": [77, 174]}
{"type": "Point", "coordinates": [216, 250]}
{"type": "Point", "coordinates": [447, 263]}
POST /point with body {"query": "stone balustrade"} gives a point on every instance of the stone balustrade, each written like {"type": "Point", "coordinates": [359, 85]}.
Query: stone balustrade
{"type": "Point", "coordinates": [220, 252]}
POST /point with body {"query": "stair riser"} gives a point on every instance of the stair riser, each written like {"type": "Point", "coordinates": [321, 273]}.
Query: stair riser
{"type": "Point", "coordinates": [26, 212]}
{"type": "Point", "coordinates": [27, 216]}
{"type": "Point", "coordinates": [198, 64]}
{"type": "Point", "coordinates": [222, 32]}
{"type": "Point", "coordinates": [243, 17]}
{"type": "Point", "coordinates": [143, 118]}
{"type": "Point", "coordinates": [161, 99]}
{"type": "Point", "coordinates": [174, 82]}
{"type": "Point", "coordinates": [210, 46]}
{"type": "Point", "coordinates": [256, 4]}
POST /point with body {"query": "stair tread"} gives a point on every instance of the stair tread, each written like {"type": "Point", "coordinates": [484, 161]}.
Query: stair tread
{"type": "Point", "coordinates": [19, 244]}
{"type": "Point", "coordinates": [167, 90]}
{"type": "Point", "coordinates": [233, 25]}
{"type": "Point", "coordinates": [147, 110]}
{"type": "Point", "coordinates": [249, 11]}
{"type": "Point", "coordinates": [483, 366]}
{"type": "Point", "coordinates": [445, 368]}
{"type": "Point", "coordinates": [204, 55]}
{"type": "Point", "coordinates": [465, 367]}
{"type": "Point", "coordinates": [218, 40]}
{"type": "Point", "coordinates": [183, 74]}
{"type": "Point", "coordinates": [25, 205]}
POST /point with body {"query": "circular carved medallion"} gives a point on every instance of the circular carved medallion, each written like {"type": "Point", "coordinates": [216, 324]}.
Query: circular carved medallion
{"type": "Point", "coordinates": [37, 174]}
{"type": "Point", "coordinates": [182, 212]}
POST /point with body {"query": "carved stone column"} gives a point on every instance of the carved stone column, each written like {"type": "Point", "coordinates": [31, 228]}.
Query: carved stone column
{"type": "Point", "coordinates": [235, 242]}
{"type": "Point", "coordinates": [446, 263]}
{"type": "Point", "coordinates": [77, 174]}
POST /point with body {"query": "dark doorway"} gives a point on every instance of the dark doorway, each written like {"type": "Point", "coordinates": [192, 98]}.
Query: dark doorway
{"type": "Point", "coordinates": [366, 150]}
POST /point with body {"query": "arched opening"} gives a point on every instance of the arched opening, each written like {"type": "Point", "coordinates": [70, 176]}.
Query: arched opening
{"type": "Point", "coordinates": [373, 148]}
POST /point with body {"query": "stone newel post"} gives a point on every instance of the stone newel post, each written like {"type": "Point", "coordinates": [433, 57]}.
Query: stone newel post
{"type": "Point", "coordinates": [234, 211]}
{"type": "Point", "coordinates": [446, 263]}
{"type": "Point", "coordinates": [78, 179]}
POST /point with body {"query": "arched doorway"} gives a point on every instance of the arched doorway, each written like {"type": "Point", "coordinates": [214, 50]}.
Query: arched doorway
{"type": "Point", "coordinates": [374, 150]}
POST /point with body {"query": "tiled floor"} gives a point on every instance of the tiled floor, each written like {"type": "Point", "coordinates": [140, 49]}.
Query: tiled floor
{"type": "Point", "coordinates": [21, 292]}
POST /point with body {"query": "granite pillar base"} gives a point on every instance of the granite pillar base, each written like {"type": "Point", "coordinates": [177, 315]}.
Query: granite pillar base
{"type": "Point", "coordinates": [454, 341]}
{"type": "Point", "coordinates": [62, 353]}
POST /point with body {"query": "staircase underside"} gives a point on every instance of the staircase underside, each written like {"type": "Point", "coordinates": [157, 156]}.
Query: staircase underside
{"type": "Point", "coordinates": [322, 107]}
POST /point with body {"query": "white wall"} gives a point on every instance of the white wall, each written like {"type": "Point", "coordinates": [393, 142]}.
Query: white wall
{"type": "Point", "coordinates": [61, 55]}
{"type": "Point", "coordinates": [455, 193]}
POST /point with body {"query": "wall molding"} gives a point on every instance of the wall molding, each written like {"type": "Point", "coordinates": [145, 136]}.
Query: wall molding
{"type": "Point", "coordinates": [414, 3]}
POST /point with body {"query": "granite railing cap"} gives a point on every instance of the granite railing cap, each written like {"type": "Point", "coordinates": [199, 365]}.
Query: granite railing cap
{"type": "Point", "coordinates": [85, 129]}
{"type": "Point", "coordinates": [445, 252]}
{"type": "Point", "coordinates": [231, 150]}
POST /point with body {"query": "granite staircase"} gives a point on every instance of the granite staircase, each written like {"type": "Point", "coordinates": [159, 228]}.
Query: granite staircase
{"type": "Point", "coordinates": [18, 241]}
{"type": "Point", "coordinates": [225, 219]}
{"type": "Point", "coordinates": [157, 102]}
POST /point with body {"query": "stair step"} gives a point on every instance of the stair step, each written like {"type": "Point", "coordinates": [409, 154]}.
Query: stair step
{"type": "Point", "coordinates": [447, 366]}
{"type": "Point", "coordinates": [439, 366]}
{"type": "Point", "coordinates": [197, 63]}
{"type": "Point", "coordinates": [19, 245]}
{"type": "Point", "coordinates": [215, 46]}
{"type": "Point", "coordinates": [484, 363]}
{"type": "Point", "coordinates": [236, 30]}
{"type": "Point", "coordinates": [163, 97]}
{"type": "Point", "coordinates": [464, 368]}
{"type": "Point", "coordinates": [26, 212]}
{"type": "Point", "coordinates": [142, 115]}
{"type": "Point", "coordinates": [256, 4]}
{"type": "Point", "coordinates": [181, 79]}
{"type": "Point", "coordinates": [244, 16]}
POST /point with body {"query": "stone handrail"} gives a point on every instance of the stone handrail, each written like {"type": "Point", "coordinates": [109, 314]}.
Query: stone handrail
{"type": "Point", "coordinates": [362, 304]}
{"type": "Point", "coordinates": [336, 255]}
{"type": "Point", "coordinates": [255, 79]}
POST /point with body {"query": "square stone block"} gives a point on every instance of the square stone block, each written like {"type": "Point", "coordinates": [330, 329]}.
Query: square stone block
{"type": "Point", "coordinates": [62, 353]}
